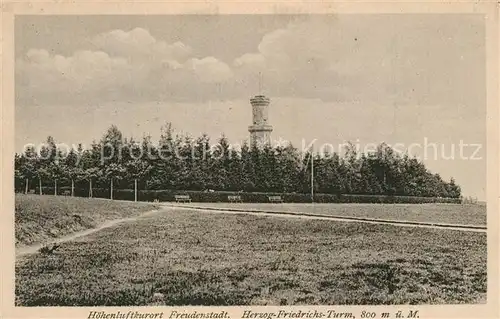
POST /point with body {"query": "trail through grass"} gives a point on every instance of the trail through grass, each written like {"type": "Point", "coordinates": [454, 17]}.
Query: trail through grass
{"type": "Point", "coordinates": [466, 214]}
{"type": "Point", "coordinates": [41, 219]}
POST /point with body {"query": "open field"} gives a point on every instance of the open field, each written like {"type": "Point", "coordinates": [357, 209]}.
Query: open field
{"type": "Point", "coordinates": [462, 214]}
{"type": "Point", "coordinates": [181, 257]}
{"type": "Point", "coordinates": [41, 218]}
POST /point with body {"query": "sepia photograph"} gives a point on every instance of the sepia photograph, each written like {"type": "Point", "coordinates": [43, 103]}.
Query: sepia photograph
{"type": "Point", "coordinates": [294, 159]}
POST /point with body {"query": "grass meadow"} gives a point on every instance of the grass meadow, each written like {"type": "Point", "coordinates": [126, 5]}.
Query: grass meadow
{"type": "Point", "coordinates": [462, 214]}
{"type": "Point", "coordinates": [39, 219]}
{"type": "Point", "coordinates": [184, 257]}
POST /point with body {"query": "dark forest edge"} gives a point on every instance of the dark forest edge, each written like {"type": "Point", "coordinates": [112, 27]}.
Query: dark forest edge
{"type": "Point", "coordinates": [179, 164]}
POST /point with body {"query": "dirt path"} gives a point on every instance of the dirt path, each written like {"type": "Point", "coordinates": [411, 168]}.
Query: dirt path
{"type": "Point", "coordinates": [32, 249]}
{"type": "Point", "coordinates": [470, 228]}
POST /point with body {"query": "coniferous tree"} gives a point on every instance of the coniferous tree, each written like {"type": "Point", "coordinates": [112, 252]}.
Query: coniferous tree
{"type": "Point", "coordinates": [186, 163]}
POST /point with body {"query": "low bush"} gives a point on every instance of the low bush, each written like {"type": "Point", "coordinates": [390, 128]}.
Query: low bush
{"type": "Point", "coordinates": [388, 199]}
{"type": "Point", "coordinates": [249, 197]}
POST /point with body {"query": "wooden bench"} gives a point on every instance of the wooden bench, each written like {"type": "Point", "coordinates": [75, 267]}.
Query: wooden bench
{"type": "Point", "coordinates": [182, 199]}
{"type": "Point", "coordinates": [275, 199]}
{"type": "Point", "coordinates": [234, 199]}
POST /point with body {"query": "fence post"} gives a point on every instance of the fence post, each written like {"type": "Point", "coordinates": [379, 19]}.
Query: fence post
{"type": "Point", "coordinates": [90, 189]}
{"type": "Point", "coordinates": [135, 190]}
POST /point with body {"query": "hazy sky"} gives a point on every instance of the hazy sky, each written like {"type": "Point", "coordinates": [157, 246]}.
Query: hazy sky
{"type": "Point", "coordinates": [409, 79]}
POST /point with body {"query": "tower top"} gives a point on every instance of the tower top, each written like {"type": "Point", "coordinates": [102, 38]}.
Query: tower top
{"type": "Point", "coordinates": [260, 100]}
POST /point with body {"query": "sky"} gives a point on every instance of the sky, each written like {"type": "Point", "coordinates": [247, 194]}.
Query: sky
{"type": "Point", "coordinates": [413, 81]}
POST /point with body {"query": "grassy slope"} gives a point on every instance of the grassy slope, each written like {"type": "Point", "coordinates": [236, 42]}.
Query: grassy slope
{"type": "Point", "coordinates": [438, 213]}
{"type": "Point", "coordinates": [214, 259]}
{"type": "Point", "coordinates": [39, 218]}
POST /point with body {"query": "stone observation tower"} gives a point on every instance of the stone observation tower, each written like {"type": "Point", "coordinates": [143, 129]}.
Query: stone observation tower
{"type": "Point", "coordinates": [260, 131]}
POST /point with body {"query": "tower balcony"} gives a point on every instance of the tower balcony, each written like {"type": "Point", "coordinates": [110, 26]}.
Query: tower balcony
{"type": "Point", "coordinates": [260, 128]}
{"type": "Point", "coordinates": [260, 100]}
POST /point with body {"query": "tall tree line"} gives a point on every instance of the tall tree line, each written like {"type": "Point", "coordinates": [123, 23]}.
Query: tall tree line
{"type": "Point", "coordinates": [183, 163]}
